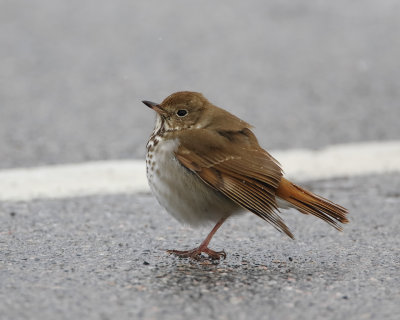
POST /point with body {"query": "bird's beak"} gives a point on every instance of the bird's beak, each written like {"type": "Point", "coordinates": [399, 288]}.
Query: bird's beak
{"type": "Point", "coordinates": [155, 106]}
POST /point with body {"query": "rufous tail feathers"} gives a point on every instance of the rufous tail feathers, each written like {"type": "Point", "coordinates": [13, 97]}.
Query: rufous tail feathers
{"type": "Point", "coordinates": [309, 203]}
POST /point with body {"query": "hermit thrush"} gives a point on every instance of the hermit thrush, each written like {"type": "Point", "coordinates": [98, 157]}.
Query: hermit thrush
{"type": "Point", "coordinates": [205, 164]}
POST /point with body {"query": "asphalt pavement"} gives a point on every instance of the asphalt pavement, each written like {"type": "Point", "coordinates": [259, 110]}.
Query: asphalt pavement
{"type": "Point", "coordinates": [104, 257]}
{"type": "Point", "coordinates": [306, 74]}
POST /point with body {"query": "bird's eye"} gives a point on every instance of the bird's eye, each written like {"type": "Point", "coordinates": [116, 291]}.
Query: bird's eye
{"type": "Point", "coordinates": [181, 112]}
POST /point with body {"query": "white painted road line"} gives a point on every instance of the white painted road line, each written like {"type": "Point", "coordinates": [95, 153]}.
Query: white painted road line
{"type": "Point", "coordinates": [112, 177]}
{"type": "Point", "coordinates": [345, 160]}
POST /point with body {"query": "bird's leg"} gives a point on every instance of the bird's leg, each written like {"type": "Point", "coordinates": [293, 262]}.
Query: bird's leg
{"type": "Point", "coordinates": [196, 253]}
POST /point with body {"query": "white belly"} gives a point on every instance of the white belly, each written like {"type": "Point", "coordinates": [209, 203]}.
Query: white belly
{"type": "Point", "coordinates": [181, 192]}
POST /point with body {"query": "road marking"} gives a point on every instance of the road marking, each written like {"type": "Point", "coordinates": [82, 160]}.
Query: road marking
{"type": "Point", "coordinates": [113, 177]}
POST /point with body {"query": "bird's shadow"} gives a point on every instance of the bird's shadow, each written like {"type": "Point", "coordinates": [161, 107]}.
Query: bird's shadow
{"type": "Point", "coordinates": [179, 275]}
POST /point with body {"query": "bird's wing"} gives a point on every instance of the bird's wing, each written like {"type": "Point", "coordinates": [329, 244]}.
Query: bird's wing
{"type": "Point", "coordinates": [234, 164]}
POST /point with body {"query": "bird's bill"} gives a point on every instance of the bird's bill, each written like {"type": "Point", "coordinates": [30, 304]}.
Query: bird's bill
{"type": "Point", "coordinates": [155, 106]}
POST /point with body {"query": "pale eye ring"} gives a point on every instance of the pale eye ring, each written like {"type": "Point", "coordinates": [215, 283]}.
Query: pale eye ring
{"type": "Point", "coordinates": [181, 112]}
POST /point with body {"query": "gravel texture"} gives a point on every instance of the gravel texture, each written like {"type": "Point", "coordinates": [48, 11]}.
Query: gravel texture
{"type": "Point", "coordinates": [104, 257]}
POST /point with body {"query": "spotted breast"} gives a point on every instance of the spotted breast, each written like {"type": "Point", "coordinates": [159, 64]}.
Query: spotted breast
{"type": "Point", "coordinates": [183, 194]}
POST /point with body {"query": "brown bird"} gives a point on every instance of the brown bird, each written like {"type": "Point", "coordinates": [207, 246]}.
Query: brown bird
{"type": "Point", "coordinates": [204, 165]}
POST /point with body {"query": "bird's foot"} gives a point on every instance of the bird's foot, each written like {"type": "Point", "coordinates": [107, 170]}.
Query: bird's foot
{"type": "Point", "coordinates": [196, 254]}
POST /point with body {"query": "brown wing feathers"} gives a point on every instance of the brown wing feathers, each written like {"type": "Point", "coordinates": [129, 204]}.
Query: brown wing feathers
{"type": "Point", "coordinates": [255, 199]}
{"type": "Point", "coordinates": [248, 175]}
{"type": "Point", "coordinates": [254, 196]}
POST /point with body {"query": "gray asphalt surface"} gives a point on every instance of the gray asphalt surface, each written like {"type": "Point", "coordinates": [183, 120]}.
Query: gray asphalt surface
{"type": "Point", "coordinates": [306, 74]}
{"type": "Point", "coordinates": [104, 258]}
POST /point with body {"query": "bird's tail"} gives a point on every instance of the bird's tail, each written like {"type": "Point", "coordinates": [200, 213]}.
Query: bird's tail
{"type": "Point", "coordinates": [310, 203]}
